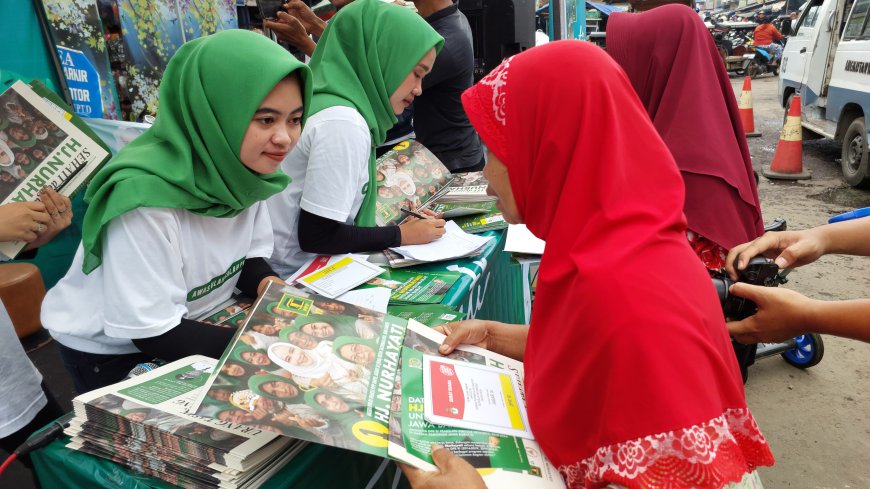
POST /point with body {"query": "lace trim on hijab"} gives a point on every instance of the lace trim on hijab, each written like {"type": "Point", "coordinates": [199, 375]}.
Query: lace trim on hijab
{"type": "Point", "coordinates": [497, 80]}
{"type": "Point", "coordinates": [708, 456]}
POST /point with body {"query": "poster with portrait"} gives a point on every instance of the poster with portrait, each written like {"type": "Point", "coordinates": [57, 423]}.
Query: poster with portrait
{"type": "Point", "coordinates": [311, 368]}
{"type": "Point", "coordinates": [40, 146]}
{"type": "Point", "coordinates": [408, 176]}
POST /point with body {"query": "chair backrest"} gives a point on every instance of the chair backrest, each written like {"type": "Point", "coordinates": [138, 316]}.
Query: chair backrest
{"type": "Point", "coordinates": [22, 291]}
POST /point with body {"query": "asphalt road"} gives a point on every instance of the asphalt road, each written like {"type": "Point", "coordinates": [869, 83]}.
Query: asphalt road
{"type": "Point", "coordinates": [817, 420]}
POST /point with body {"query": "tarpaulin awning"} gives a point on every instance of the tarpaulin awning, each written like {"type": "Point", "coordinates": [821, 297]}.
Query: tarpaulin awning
{"type": "Point", "coordinates": [601, 7]}
{"type": "Point", "coordinates": [604, 8]}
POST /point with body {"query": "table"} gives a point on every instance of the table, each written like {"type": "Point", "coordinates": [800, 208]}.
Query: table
{"type": "Point", "coordinates": [317, 466]}
{"type": "Point", "coordinates": [491, 287]}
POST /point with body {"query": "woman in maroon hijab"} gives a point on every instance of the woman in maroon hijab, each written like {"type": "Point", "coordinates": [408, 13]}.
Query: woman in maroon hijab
{"type": "Point", "coordinates": [672, 63]}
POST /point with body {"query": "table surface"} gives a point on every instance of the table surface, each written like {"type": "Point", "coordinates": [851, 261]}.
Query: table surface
{"type": "Point", "coordinates": [317, 465]}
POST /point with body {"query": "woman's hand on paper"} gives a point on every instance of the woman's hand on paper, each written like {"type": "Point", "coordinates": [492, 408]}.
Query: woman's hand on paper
{"type": "Point", "coordinates": [452, 473]}
{"type": "Point", "coordinates": [59, 210]}
{"type": "Point", "coordinates": [421, 231]}
{"type": "Point", "coordinates": [506, 339]}
{"type": "Point", "coordinates": [23, 221]}
{"type": "Point", "coordinates": [470, 332]}
{"type": "Point", "coordinates": [261, 287]}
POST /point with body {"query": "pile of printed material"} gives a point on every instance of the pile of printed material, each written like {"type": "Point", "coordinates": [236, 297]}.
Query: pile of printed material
{"type": "Point", "coordinates": [146, 423]}
{"type": "Point", "coordinates": [338, 374]}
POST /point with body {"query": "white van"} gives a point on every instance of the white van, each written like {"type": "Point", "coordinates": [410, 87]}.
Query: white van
{"type": "Point", "coordinates": [827, 61]}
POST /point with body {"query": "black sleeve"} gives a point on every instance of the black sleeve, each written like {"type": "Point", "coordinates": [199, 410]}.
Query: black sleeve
{"type": "Point", "coordinates": [322, 235]}
{"type": "Point", "coordinates": [253, 272]}
{"type": "Point", "coordinates": [188, 338]}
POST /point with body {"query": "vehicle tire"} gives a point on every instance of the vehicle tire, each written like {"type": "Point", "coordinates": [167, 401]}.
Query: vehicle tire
{"type": "Point", "coordinates": [809, 351]}
{"type": "Point", "coordinates": [854, 155]}
{"type": "Point", "coordinates": [753, 70]}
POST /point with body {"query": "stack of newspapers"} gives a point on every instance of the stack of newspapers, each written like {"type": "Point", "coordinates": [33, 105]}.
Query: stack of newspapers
{"type": "Point", "coordinates": [146, 423]}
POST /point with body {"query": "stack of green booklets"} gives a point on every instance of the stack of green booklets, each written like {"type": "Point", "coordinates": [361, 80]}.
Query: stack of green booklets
{"type": "Point", "coordinates": [146, 424]}
{"type": "Point", "coordinates": [410, 286]}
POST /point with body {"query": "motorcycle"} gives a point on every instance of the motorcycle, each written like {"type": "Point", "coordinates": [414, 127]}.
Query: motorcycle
{"type": "Point", "coordinates": [758, 61]}
{"type": "Point", "coordinates": [730, 40]}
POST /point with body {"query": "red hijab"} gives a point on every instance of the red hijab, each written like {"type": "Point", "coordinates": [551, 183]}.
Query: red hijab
{"type": "Point", "coordinates": [630, 374]}
{"type": "Point", "coordinates": [672, 62]}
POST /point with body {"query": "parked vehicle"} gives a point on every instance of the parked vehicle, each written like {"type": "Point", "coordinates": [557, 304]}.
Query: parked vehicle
{"type": "Point", "coordinates": [730, 39]}
{"type": "Point", "coordinates": [827, 62]}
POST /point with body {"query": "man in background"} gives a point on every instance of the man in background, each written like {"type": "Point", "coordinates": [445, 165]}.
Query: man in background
{"type": "Point", "coordinates": [439, 119]}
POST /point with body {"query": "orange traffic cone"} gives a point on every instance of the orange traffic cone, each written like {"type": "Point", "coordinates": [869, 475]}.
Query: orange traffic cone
{"type": "Point", "coordinates": [744, 106]}
{"type": "Point", "coordinates": [787, 162]}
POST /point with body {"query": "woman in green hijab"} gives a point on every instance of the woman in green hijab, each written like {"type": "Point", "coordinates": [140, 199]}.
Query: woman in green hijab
{"type": "Point", "coordinates": [368, 67]}
{"type": "Point", "coordinates": [176, 220]}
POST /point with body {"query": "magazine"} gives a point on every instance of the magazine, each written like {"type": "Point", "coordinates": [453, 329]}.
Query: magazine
{"type": "Point", "coordinates": [230, 314]}
{"type": "Point", "coordinates": [466, 187]}
{"type": "Point", "coordinates": [503, 461]}
{"type": "Point", "coordinates": [409, 176]}
{"type": "Point", "coordinates": [311, 368]}
{"type": "Point", "coordinates": [326, 371]}
{"type": "Point", "coordinates": [428, 314]}
{"type": "Point", "coordinates": [39, 146]}
{"type": "Point", "coordinates": [155, 407]}
{"type": "Point", "coordinates": [412, 286]}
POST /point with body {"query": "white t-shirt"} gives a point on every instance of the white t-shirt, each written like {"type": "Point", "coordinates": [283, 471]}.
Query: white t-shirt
{"type": "Point", "coordinates": [329, 168]}
{"type": "Point", "coordinates": [159, 266]}
{"type": "Point", "coordinates": [20, 389]}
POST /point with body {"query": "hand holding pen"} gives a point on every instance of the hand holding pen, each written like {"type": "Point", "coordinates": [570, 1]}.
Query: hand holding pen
{"type": "Point", "coordinates": [423, 227]}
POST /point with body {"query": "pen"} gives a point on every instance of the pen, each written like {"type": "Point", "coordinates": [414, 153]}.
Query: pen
{"type": "Point", "coordinates": [857, 213]}
{"type": "Point", "coordinates": [412, 213]}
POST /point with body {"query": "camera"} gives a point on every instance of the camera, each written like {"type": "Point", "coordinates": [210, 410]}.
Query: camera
{"type": "Point", "coordinates": [760, 271]}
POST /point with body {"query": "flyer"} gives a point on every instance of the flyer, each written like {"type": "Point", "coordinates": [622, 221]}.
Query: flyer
{"type": "Point", "coordinates": [477, 397]}
{"type": "Point", "coordinates": [341, 276]}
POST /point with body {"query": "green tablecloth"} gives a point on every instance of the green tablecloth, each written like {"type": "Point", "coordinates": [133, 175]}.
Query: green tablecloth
{"type": "Point", "coordinates": [490, 288]}
{"type": "Point", "coordinates": [317, 466]}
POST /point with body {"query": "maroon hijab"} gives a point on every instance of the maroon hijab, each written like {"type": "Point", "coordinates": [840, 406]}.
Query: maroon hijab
{"type": "Point", "coordinates": [672, 63]}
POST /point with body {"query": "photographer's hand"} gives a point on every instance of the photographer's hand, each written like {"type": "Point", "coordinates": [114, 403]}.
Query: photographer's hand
{"type": "Point", "coordinates": [782, 314]}
{"type": "Point", "coordinates": [789, 249]}
{"type": "Point", "coordinates": [290, 30]}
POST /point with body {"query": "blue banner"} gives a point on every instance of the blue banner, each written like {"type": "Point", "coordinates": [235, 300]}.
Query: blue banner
{"type": "Point", "coordinates": [83, 81]}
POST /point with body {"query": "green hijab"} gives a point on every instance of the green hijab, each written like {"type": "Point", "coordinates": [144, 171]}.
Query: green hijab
{"type": "Point", "coordinates": [189, 158]}
{"type": "Point", "coordinates": [366, 52]}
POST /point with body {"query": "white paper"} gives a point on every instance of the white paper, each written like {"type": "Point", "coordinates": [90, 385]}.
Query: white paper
{"type": "Point", "coordinates": [374, 298]}
{"type": "Point", "coordinates": [319, 262]}
{"type": "Point", "coordinates": [337, 278]}
{"type": "Point", "coordinates": [454, 244]}
{"type": "Point", "coordinates": [521, 240]}
{"type": "Point", "coordinates": [471, 396]}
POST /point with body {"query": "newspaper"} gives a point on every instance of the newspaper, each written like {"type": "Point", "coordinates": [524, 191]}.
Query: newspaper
{"type": "Point", "coordinates": [40, 146]}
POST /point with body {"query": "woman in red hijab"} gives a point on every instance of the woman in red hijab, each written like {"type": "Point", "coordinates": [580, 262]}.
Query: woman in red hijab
{"type": "Point", "coordinates": [672, 63]}
{"type": "Point", "coordinates": [629, 376]}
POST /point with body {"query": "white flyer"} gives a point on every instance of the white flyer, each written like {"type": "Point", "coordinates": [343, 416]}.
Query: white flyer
{"type": "Point", "coordinates": [339, 277]}
{"type": "Point", "coordinates": [471, 396]}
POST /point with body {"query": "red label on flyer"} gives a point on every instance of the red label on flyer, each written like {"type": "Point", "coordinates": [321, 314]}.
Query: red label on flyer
{"type": "Point", "coordinates": [318, 263]}
{"type": "Point", "coordinates": [448, 399]}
